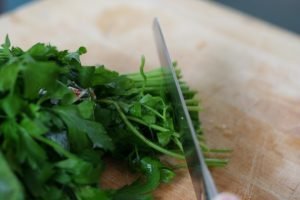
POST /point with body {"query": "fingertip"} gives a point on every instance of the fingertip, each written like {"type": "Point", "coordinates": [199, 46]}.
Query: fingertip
{"type": "Point", "coordinates": [226, 196]}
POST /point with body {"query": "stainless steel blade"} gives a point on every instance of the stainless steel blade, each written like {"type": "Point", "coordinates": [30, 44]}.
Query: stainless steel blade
{"type": "Point", "coordinates": [202, 180]}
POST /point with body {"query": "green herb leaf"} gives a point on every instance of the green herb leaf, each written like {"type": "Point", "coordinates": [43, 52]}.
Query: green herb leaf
{"type": "Point", "coordinates": [44, 75]}
{"type": "Point", "coordinates": [164, 137]}
{"type": "Point", "coordinates": [89, 193]}
{"type": "Point", "coordinates": [103, 76]}
{"type": "Point", "coordinates": [58, 119]}
{"type": "Point", "coordinates": [139, 190]}
{"type": "Point", "coordinates": [11, 188]}
{"type": "Point", "coordinates": [8, 74]}
{"type": "Point", "coordinates": [80, 171]}
{"type": "Point", "coordinates": [12, 105]}
{"type": "Point", "coordinates": [79, 129]}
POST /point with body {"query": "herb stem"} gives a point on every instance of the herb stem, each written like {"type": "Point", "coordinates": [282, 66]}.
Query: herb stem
{"type": "Point", "coordinates": [191, 102]}
{"type": "Point", "coordinates": [200, 137]}
{"type": "Point", "coordinates": [211, 162]}
{"type": "Point", "coordinates": [215, 162]}
{"type": "Point", "coordinates": [55, 146]}
{"type": "Point", "coordinates": [154, 111]}
{"type": "Point", "coordinates": [193, 108]}
{"type": "Point", "coordinates": [138, 134]}
{"type": "Point", "coordinates": [152, 126]}
{"type": "Point", "coordinates": [220, 150]}
{"type": "Point", "coordinates": [152, 74]}
{"type": "Point", "coordinates": [143, 74]}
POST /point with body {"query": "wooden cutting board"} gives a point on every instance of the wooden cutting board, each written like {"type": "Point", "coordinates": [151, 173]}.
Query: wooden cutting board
{"type": "Point", "coordinates": [247, 73]}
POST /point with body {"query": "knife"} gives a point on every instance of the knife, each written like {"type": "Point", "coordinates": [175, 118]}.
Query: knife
{"type": "Point", "coordinates": [203, 182]}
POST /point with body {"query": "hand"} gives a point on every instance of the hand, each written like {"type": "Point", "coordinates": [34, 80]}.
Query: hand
{"type": "Point", "coordinates": [226, 196]}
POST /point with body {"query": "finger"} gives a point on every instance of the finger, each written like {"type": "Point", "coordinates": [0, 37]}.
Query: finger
{"type": "Point", "coordinates": [226, 196]}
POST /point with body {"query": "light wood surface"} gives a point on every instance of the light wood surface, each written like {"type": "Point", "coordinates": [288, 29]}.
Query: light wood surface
{"type": "Point", "coordinates": [247, 73]}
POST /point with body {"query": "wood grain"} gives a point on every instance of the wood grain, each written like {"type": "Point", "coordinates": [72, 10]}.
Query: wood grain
{"type": "Point", "coordinates": [247, 73]}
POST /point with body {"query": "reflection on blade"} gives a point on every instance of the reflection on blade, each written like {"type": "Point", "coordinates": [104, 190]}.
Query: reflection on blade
{"type": "Point", "coordinates": [201, 177]}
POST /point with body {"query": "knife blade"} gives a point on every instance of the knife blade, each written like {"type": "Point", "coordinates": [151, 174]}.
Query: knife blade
{"type": "Point", "coordinates": [203, 182]}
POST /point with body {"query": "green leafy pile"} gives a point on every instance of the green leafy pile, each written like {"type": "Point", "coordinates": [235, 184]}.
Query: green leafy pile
{"type": "Point", "coordinates": [58, 119]}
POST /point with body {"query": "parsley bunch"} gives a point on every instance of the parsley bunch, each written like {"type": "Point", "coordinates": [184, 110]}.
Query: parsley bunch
{"type": "Point", "coordinates": [58, 119]}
